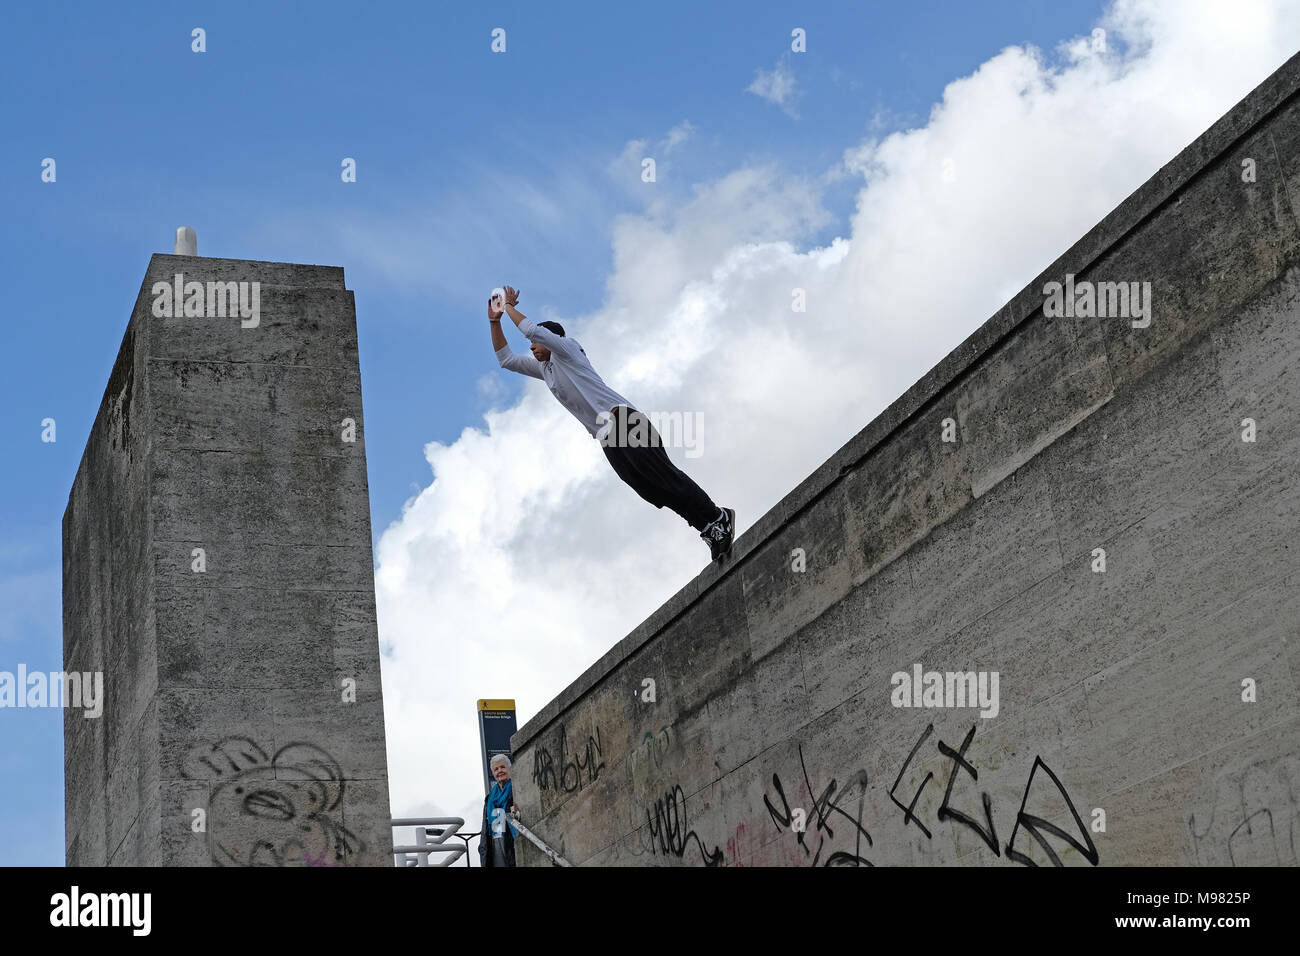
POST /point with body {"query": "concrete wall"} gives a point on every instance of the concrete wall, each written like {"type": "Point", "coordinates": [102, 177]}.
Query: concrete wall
{"type": "Point", "coordinates": [1120, 691]}
{"type": "Point", "coordinates": [225, 688]}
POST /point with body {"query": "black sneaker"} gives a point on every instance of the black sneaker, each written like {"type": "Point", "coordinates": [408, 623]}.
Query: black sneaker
{"type": "Point", "coordinates": [719, 532]}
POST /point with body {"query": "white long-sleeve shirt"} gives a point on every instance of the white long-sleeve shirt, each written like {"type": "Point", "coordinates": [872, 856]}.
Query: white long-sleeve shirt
{"type": "Point", "coordinates": [567, 373]}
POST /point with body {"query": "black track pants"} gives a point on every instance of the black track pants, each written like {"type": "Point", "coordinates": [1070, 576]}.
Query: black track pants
{"type": "Point", "coordinates": [644, 465]}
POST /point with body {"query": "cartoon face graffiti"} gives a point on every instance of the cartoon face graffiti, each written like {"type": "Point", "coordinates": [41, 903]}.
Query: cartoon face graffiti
{"type": "Point", "coordinates": [281, 810]}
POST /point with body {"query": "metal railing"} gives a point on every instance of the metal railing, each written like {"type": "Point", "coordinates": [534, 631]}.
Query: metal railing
{"type": "Point", "coordinates": [537, 842]}
{"type": "Point", "coordinates": [431, 836]}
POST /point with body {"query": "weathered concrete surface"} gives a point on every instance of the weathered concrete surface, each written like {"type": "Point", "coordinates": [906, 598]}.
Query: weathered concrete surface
{"type": "Point", "coordinates": [1120, 691]}
{"type": "Point", "coordinates": [225, 688]}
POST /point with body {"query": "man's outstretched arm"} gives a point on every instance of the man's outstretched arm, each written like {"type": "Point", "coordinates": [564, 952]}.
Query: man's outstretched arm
{"type": "Point", "coordinates": [494, 320]}
{"type": "Point", "coordinates": [523, 364]}
{"type": "Point", "coordinates": [532, 331]}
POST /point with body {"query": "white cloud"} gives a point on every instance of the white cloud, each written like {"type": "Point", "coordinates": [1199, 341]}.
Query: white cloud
{"type": "Point", "coordinates": [626, 168]}
{"type": "Point", "coordinates": [491, 389]}
{"type": "Point", "coordinates": [776, 85]}
{"type": "Point", "coordinates": [526, 559]}
{"type": "Point", "coordinates": [678, 135]}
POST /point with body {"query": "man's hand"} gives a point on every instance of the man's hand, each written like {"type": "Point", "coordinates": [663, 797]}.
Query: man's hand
{"type": "Point", "coordinates": [512, 300]}
{"type": "Point", "coordinates": [494, 313]}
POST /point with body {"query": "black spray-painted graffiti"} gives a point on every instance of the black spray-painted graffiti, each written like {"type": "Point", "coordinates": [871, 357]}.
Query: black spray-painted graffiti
{"type": "Point", "coordinates": [825, 806]}
{"type": "Point", "coordinates": [667, 828]}
{"type": "Point", "coordinates": [273, 810]}
{"type": "Point", "coordinates": [570, 775]}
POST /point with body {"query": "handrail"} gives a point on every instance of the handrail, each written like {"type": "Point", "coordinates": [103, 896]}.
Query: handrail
{"type": "Point", "coordinates": [431, 833]}
{"type": "Point", "coordinates": [537, 842]}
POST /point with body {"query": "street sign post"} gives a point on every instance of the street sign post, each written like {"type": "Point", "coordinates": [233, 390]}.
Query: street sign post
{"type": "Point", "coordinates": [496, 725]}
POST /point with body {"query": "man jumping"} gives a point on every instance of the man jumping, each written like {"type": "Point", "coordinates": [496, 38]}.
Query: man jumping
{"type": "Point", "coordinates": [627, 437]}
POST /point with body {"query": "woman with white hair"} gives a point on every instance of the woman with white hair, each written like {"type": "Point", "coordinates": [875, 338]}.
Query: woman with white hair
{"type": "Point", "coordinates": [496, 844]}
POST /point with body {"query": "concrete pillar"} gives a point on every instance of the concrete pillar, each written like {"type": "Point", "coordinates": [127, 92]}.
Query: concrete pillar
{"type": "Point", "coordinates": [217, 569]}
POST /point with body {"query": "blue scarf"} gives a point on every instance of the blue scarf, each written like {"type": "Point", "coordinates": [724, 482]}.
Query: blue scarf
{"type": "Point", "coordinates": [500, 798]}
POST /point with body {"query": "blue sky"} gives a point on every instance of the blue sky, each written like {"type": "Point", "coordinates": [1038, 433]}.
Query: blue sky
{"type": "Point", "coordinates": [474, 169]}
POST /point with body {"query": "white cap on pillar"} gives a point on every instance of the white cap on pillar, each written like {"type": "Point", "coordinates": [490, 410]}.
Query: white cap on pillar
{"type": "Point", "coordinates": [187, 243]}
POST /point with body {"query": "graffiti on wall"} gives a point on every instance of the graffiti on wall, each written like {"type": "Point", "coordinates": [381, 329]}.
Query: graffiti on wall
{"type": "Point", "coordinates": [1255, 817]}
{"type": "Point", "coordinates": [654, 748]}
{"type": "Point", "coordinates": [834, 830]}
{"type": "Point", "coordinates": [567, 771]}
{"type": "Point", "coordinates": [830, 803]}
{"type": "Point", "coordinates": [833, 807]}
{"type": "Point", "coordinates": [280, 809]}
{"type": "Point", "coordinates": [667, 832]}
